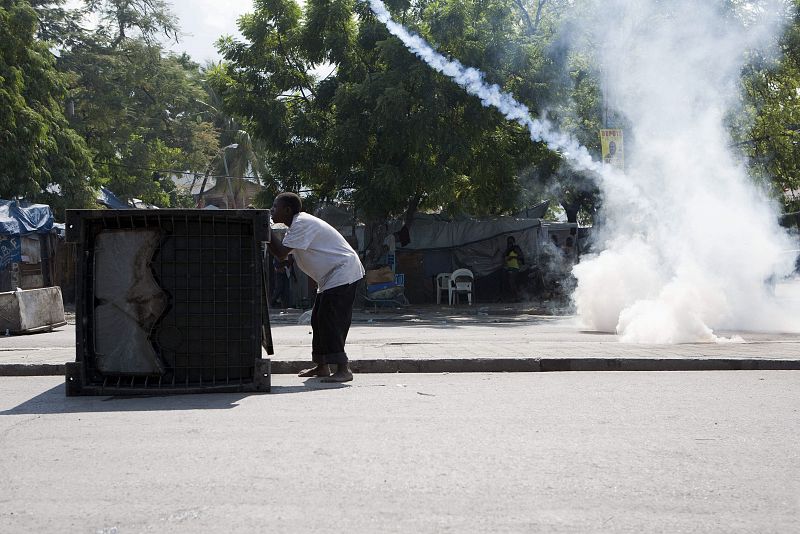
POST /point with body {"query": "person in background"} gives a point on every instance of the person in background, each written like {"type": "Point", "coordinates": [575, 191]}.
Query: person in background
{"type": "Point", "coordinates": [569, 249]}
{"type": "Point", "coordinates": [325, 256]}
{"type": "Point", "coordinates": [513, 261]}
{"type": "Point", "coordinates": [284, 273]}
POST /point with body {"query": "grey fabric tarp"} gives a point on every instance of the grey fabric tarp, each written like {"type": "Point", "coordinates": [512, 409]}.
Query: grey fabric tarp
{"type": "Point", "coordinates": [479, 244]}
{"type": "Point", "coordinates": [429, 233]}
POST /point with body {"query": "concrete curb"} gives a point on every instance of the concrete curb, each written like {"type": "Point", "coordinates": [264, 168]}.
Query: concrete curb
{"type": "Point", "coordinates": [33, 369]}
{"type": "Point", "coordinates": [494, 365]}
{"type": "Point", "coordinates": [534, 365]}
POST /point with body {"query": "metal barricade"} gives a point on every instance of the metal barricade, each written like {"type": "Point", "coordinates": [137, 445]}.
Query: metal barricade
{"type": "Point", "coordinates": [169, 301]}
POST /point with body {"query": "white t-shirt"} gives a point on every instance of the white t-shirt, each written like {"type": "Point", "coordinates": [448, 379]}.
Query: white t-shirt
{"type": "Point", "coordinates": [322, 253]}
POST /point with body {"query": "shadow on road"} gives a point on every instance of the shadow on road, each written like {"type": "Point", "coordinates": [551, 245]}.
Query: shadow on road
{"type": "Point", "coordinates": [312, 384]}
{"type": "Point", "coordinates": [55, 401]}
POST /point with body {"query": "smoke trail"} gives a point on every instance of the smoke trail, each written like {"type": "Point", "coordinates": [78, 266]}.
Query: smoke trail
{"type": "Point", "coordinates": [472, 80]}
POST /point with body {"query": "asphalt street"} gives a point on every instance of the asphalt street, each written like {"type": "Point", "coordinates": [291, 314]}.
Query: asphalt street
{"type": "Point", "coordinates": [524, 452]}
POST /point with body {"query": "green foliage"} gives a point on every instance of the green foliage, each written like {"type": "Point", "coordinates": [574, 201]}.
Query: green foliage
{"type": "Point", "coordinates": [383, 129]}
{"type": "Point", "coordinates": [140, 112]}
{"type": "Point", "coordinates": [41, 154]}
{"type": "Point", "coordinates": [142, 20]}
{"type": "Point", "coordinates": [772, 140]}
{"type": "Point", "coordinates": [59, 26]}
{"type": "Point", "coordinates": [134, 111]}
{"type": "Point", "coordinates": [323, 98]}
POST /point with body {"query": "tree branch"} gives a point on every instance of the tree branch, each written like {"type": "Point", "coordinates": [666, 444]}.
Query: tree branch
{"type": "Point", "coordinates": [538, 18]}
{"type": "Point", "coordinates": [293, 65]}
{"type": "Point", "coordinates": [526, 16]}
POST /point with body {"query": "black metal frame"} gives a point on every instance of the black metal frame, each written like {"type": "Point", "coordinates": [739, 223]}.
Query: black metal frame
{"type": "Point", "coordinates": [210, 263]}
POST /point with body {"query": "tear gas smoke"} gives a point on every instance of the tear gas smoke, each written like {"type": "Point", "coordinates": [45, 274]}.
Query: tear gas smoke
{"type": "Point", "coordinates": [689, 241]}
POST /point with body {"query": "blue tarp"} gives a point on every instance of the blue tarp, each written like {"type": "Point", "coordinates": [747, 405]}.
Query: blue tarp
{"type": "Point", "coordinates": [10, 250]}
{"type": "Point", "coordinates": [110, 200]}
{"type": "Point", "coordinates": [19, 220]}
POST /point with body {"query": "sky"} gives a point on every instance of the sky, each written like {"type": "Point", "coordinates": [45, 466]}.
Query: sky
{"type": "Point", "coordinates": [203, 22]}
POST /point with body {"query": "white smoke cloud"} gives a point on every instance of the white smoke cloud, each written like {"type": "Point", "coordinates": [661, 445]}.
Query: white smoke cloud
{"type": "Point", "coordinates": [690, 240]}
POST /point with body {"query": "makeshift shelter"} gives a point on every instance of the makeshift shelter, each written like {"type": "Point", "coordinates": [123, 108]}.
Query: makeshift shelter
{"type": "Point", "coordinates": [438, 245]}
{"type": "Point", "coordinates": [108, 199]}
{"type": "Point", "coordinates": [27, 244]}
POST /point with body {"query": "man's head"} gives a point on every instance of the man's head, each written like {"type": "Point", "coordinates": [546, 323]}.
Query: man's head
{"type": "Point", "coordinates": [285, 207]}
{"type": "Point", "coordinates": [511, 241]}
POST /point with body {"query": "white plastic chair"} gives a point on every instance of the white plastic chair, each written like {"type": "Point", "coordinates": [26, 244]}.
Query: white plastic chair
{"type": "Point", "coordinates": [442, 284]}
{"type": "Point", "coordinates": [461, 282]}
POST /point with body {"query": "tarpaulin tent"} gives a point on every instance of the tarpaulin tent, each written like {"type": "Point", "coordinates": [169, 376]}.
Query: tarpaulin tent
{"type": "Point", "coordinates": [108, 199]}
{"type": "Point", "coordinates": [23, 219]}
{"type": "Point", "coordinates": [477, 244]}
{"type": "Point", "coordinates": [439, 245]}
{"type": "Point", "coordinates": [17, 221]}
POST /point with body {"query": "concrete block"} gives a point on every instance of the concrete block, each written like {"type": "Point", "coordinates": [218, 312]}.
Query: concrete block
{"type": "Point", "coordinates": [28, 311]}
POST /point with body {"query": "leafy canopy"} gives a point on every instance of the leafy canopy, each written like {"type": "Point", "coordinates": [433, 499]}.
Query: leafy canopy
{"type": "Point", "coordinates": [42, 156]}
{"type": "Point", "coordinates": [346, 110]}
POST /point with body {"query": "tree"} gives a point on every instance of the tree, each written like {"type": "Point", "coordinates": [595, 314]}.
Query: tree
{"type": "Point", "coordinates": [771, 138]}
{"type": "Point", "coordinates": [59, 26]}
{"type": "Point", "coordinates": [139, 110]}
{"type": "Point", "coordinates": [124, 20]}
{"type": "Point", "coordinates": [383, 129]}
{"type": "Point", "coordinates": [141, 113]}
{"type": "Point", "coordinates": [246, 156]}
{"type": "Point", "coordinates": [42, 157]}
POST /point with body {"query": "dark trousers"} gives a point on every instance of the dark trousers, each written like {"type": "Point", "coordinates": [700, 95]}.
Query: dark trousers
{"type": "Point", "coordinates": [330, 323]}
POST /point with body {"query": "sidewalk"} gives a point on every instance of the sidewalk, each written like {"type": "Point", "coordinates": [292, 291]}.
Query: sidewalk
{"type": "Point", "coordinates": [495, 338]}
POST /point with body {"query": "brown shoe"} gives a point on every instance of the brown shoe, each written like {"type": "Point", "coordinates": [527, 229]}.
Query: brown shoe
{"type": "Point", "coordinates": [320, 370]}
{"type": "Point", "coordinates": [342, 375]}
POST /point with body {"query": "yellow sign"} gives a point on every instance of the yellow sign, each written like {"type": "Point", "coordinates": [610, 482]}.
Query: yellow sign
{"type": "Point", "coordinates": [612, 146]}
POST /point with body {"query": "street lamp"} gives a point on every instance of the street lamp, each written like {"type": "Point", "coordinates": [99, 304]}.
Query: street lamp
{"type": "Point", "coordinates": [227, 174]}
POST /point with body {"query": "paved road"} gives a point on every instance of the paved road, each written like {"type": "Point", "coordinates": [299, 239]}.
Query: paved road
{"type": "Point", "coordinates": [541, 452]}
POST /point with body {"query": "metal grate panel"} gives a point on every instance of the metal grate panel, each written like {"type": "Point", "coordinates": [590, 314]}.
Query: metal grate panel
{"type": "Point", "coordinates": [170, 301]}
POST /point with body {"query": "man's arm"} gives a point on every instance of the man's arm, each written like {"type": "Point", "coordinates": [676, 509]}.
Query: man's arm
{"type": "Point", "coordinates": [276, 247]}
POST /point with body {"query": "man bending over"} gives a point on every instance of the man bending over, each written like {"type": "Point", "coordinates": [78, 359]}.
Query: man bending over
{"type": "Point", "coordinates": [323, 254]}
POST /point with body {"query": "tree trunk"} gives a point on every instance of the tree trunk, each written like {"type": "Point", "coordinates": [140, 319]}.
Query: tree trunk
{"type": "Point", "coordinates": [376, 230]}
{"type": "Point", "coordinates": [374, 234]}
{"type": "Point", "coordinates": [571, 209]}
{"type": "Point", "coordinates": [203, 188]}
{"type": "Point", "coordinates": [413, 206]}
